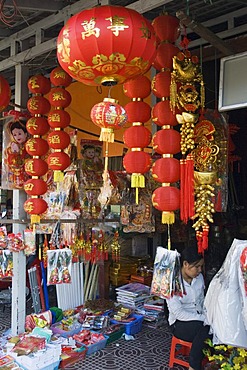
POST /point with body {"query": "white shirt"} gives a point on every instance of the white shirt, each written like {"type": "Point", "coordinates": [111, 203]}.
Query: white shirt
{"type": "Point", "coordinates": [190, 305]}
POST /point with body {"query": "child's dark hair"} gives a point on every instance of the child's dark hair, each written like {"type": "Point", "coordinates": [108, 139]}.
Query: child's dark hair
{"type": "Point", "coordinates": [18, 124]}
{"type": "Point", "coordinates": [190, 254]}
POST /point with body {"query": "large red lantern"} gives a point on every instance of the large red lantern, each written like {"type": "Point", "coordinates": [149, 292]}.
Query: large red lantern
{"type": "Point", "coordinates": [166, 141]}
{"type": "Point", "coordinates": [58, 139]}
{"type": "Point", "coordinates": [109, 116]}
{"type": "Point", "coordinates": [59, 77]}
{"type": "Point", "coordinates": [165, 52]}
{"type": "Point", "coordinates": [137, 162]}
{"type": "Point", "coordinates": [58, 161]}
{"type": "Point", "coordinates": [167, 200]}
{"type": "Point", "coordinates": [166, 170]}
{"type": "Point", "coordinates": [163, 115]}
{"type": "Point", "coordinates": [59, 97]}
{"type": "Point", "coordinates": [35, 206]}
{"type": "Point", "coordinates": [35, 187]}
{"type": "Point", "coordinates": [138, 111]}
{"type": "Point", "coordinates": [138, 87]}
{"type": "Point", "coordinates": [161, 84]}
{"type": "Point", "coordinates": [5, 93]}
{"type": "Point", "coordinates": [106, 45]}
{"type": "Point", "coordinates": [37, 147]}
{"type": "Point", "coordinates": [166, 27]}
{"type": "Point", "coordinates": [38, 104]}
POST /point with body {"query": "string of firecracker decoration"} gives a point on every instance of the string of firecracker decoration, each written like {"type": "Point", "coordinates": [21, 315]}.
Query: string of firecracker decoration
{"type": "Point", "coordinates": [37, 147]}
{"type": "Point", "coordinates": [59, 119]}
{"type": "Point", "coordinates": [137, 137]}
{"type": "Point", "coordinates": [166, 141]}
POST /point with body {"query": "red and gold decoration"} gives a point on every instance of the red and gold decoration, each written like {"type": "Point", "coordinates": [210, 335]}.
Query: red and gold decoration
{"type": "Point", "coordinates": [138, 137]}
{"type": "Point", "coordinates": [37, 147]}
{"type": "Point", "coordinates": [166, 141]}
{"type": "Point", "coordinates": [106, 45]}
{"type": "Point", "coordinates": [5, 93]}
{"type": "Point", "coordinates": [59, 119]}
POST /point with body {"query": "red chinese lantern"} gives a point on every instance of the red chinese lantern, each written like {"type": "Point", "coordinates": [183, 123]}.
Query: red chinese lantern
{"type": "Point", "coordinates": [106, 45]}
{"type": "Point", "coordinates": [138, 87]}
{"type": "Point", "coordinates": [109, 116]}
{"type": "Point", "coordinates": [59, 77]}
{"type": "Point", "coordinates": [58, 139]}
{"type": "Point", "coordinates": [5, 93]}
{"type": "Point", "coordinates": [165, 52]}
{"type": "Point", "coordinates": [166, 170]}
{"type": "Point", "coordinates": [167, 200]}
{"type": "Point", "coordinates": [37, 126]}
{"type": "Point", "coordinates": [59, 97]}
{"type": "Point", "coordinates": [58, 161]}
{"type": "Point", "coordinates": [163, 115]}
{"type": "Point", "coordinates": [137, 162]}
{"type": "Point", "coordinates": [58, 118]}
{"type": "Point", "coordinates": [35, 206]}
{"type": "Point", "coordinates": [37, 147]}
{"type": "Point", "coordinates": [166, 27]}
{"type": "Point", "coordinates": [138, 111]}
{"type": "Point", "coordinates": [38, 104]}
{"type": "Point", "coordinates": [39, 84]}
{"type": "Point", "coordinates": [166, 141]}
{"type": "Point", "coordinates": [137, 136]}
{"type": "Point", "coordinates": [36, 167]}
{"type": "Point", "coordinates": [35, 187]}
{"type": "Point", "coordinates": [161, 84]}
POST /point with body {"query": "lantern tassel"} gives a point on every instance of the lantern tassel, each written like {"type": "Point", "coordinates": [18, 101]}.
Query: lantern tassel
{"type": "Point", "coordinates": [107, 134]}
{"type": "Point", "coordinates": [35, 219]}
{"type": "Point", "coordinates": [137, 180]}
{"type": "Point", "coordinates": [168, 217]}
{"type": "Point", "coordinates": [58, 176]}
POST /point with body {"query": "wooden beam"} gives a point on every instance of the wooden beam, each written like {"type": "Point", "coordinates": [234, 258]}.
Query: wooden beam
{"type": "Point", "coordinates": [205, 33]}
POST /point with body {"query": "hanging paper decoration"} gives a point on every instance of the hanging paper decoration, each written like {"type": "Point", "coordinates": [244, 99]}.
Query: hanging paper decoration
{"type": "Point", "coordinates": [5, 93]}
{"type": "Point", "coordinates": [58, 120]}
{"type": "Point", "coordinates": [106, 45]}
{"type": "Point", "coordinates": [37, 147]}
{"type": "Point", "coordinates": [59, 265]}
{"type": "Point", "coordinates": [166, 141]}
{"type": "Point", "coordinates": [15, 136]}
{"type": "Point", "coordinates": [138, 137]}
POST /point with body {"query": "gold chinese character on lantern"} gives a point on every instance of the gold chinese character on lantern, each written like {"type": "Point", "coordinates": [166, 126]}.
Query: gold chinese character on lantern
{"type": "Point", "coordinates": [59, 74]}
{"type": "Point", "coordinates": [32, 123]}
{"type": "Point", "coordinates": [58, 96]}
{"type": "Point", "coordinates": [55, 117]}
{"type": "Point", "coordinates": [33, 104]}
{"type": "Point", "coordinates": [33, 82]}
{"type": "Point", "coordinates": [117, 24]}
{"type": "Point", "coordinates": [30, 145]}
{"type": "Point", "coordinates": [55, 162]}
{"type": "Point", "coordinates": [55, 139]}
{"type": "Point", "coordinates": [28, 187]}
{"type": "Point", "coordinates": [29, 207]}
{"type": "Point", "coordinates": [29, 167]}
{"type": "Point", "coordinates": [90, 29]}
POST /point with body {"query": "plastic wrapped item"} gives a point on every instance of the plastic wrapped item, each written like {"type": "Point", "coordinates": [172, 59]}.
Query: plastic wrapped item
{"type": "Point", "coordinates": [226, 300]}
{"type": "Point", "coordinates": [59, 266]}
{"type": "Point", "coordinates": [3, 237]}
{"type": "Point", "coordinates": [29, 242]}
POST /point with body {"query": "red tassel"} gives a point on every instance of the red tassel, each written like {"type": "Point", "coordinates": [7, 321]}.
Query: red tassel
{"type": "Point", "coordinates": [205, 238]}
{"type": "Point", "coordinates": [199, 241]}
{"type": "Point", "coordinates": [190, 187]}
{"type": "Point", "coordinates": [182, 177]}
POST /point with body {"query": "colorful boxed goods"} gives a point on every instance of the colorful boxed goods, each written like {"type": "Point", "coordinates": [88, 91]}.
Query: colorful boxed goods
{"type": "Point", "coordinates": [71, 355]}
{"type": "Point", "coordinates": [66, 327]}
{"type": "Point", "coordinates": [91, 340]}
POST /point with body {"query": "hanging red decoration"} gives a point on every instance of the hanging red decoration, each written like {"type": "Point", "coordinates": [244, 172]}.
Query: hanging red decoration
{"type": "Point", "coordinates": [59, 97]}
{"type": "Point", "coordinates": [58, 161]}
{"type": "Point", "coordinates": [166, 141]}
{"type": "Point", "coordinates": [35, 187]}
{"type": "Point", "coordinates": [36, 167]}
{"type": "Point", "coordinates": [166, 27]}
{"type": "Point", "coordinates": [138, 87]}
{"type": "Point", "coordinates": [39, 84]}
{"type": "Point", "coordinates": [59, 77]}
{"type": "Point", "coordinates": [161, 84]}
{"type": "Point", "coordinates": [165, 52]}
{"type": "Point", "coordinates": [138, 111]}
{"type": "Point", "coordinates": [137, 136]}
{"type": "Point", "coordinates": [37, 146]}
{"type": "Point", "coordinates": [37, 126]}
{"type": "Point", "coordinates": [35, 206]}
{"type": "Point", "coordinates": [5, 93]}
{"type": "Point", "coordinates": [137, 162]}
{"type": "Point", "coordinates": [166, 170]}
{"type": "Point", "coordinates": [38, 104]}
{"type": "Point", "coordinates": [58, 118]}
{"type": "Point", "coordinates": [163, 115]}
{"type": "Point", "coordinates": [167, 200]}
{"type": "Point", "coordinates": [58, 139]}
{"type": "Point", "coordinates": [109, 116]}
{"type": "Point", "coordinates": [106, 45]}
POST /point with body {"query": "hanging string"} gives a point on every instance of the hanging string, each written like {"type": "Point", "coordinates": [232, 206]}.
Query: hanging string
{"type": "Point", "coordinates": [215, 80]}
{"type": "Point", "coordinates": [7, 19]}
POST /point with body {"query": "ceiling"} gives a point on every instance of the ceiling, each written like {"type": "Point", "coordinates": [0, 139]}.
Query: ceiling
{"type": "Point", "coordinates": [28, 28]}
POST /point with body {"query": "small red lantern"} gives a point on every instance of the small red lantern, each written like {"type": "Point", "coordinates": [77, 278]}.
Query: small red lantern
{"type": "Point", "coordinates": [58, 139]}
{"type": "Point", "coordinates": [37, 126]}
{"type": "Point", "coordinates": [5, 93]}
{"type": "Point", "coordinates": [163, 115]}
{"type": "Point", "coordinates": [165, 52]}
{"type": "Point", "coordinates": [36, 167]}
{"type": "Point", "coordinates": [35, 206]}
{"type": "Point", "coordinates": [109, 116]}
{"type": "Point", "coordinates": [39, 84]}
{"type": "Point", "coordinates": [167, 200]}
{"type": "Point", "coordinates": [37, 147]}
{"type": "Point", "coordinates": [138, 111]}
{"type": "Point", "coordinates": [59, 97]}
{"type": "Point", "coordinates": [161, 84]}
{"type": "Point", "coordinates": [58, 118]}
{"type": "Point", "coordinates": [166, 27]}
{"type": "Point", "coordinates": [166, 141]}
{"type": "Point", "coordinates": [137, 88]}
{"type": "Point", "coordinates": [137, 137]}
{"type": "Point", "coordinates": [166, 170]}
{"type": "Point", "coordinates": [38, 105]}
{"type": "Point", "coordinates": [106, 45]}
{"type": "Point", "coordinates": [35, 187]}
{"type": "Point", "coordinates": [138, 162]}
{"type": "Point", "coordinates": [58, 161]}
{"type": "Point", "coordinates": [59, 77]}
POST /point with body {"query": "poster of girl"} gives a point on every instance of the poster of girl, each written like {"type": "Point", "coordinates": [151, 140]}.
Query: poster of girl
{"type": "Point", "coordinates": [15, 136]}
